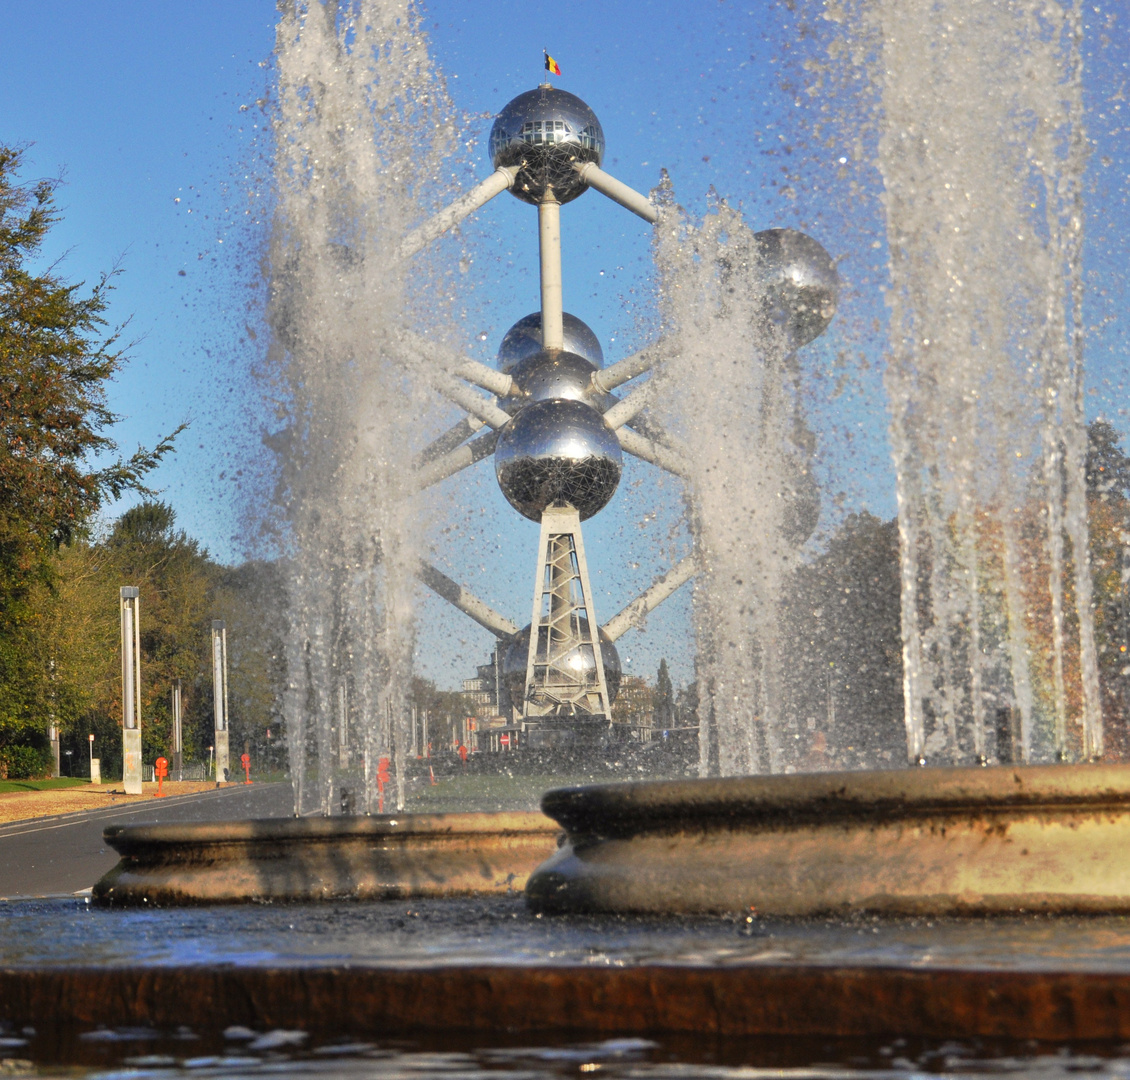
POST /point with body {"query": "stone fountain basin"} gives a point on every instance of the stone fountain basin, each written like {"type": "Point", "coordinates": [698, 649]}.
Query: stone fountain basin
{"type": "Point", "coordinates": [305, 859]}
{"type": "Point", "coordinates": [907, 842]}
{"type": "Point", "coordinates": [431, 968]}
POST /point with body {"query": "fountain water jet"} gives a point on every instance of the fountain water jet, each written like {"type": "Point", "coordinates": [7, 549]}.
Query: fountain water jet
{"type": "Point", "coordinates": [981, 151]}
{"type": "Point", "coordinates": [361, 127]}
{"type": "Point", "coordinates": [737, 305]}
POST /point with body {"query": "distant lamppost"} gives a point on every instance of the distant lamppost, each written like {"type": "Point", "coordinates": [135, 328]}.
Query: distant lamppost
{"type": "Point", "coordinates": [131, 689]}
{"type": "Point", "coordinates": [53, 727]}
{"type": "Point", "coordinates": [178, 733]}
{"type": "Point", "coordinates": [95, 776]}
{"type": "Point", "coordinates": [210, 749]}
{"type": "Point", "coordinates": [220, 696]}
{"type": "Point", "coordinates": [69, 752]}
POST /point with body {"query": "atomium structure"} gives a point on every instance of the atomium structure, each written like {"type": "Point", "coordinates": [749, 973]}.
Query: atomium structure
{"type": "Point", "coordinates": [556, 429]}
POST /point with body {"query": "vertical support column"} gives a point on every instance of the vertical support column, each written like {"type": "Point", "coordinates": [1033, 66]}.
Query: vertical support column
{"type": "Point", "coordinates": [128, 602]}
{"type": "Point", "coordinates": [549, 244]}
{"type": "Point", "coordinates": [220, 696]}
{"type": "Point", "coordinates": [178, 733]}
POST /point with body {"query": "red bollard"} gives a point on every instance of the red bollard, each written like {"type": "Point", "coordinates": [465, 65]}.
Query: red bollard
{"type": "Point", "coordinates": [161, 768]}
{"type": "Point", "coordinates": [382, 780]}
{"type": "Point", "coordinates": [245, 761]}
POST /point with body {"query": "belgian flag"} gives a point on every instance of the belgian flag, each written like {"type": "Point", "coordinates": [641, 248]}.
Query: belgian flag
{"type": "Point", "coordinates": [551, 65]}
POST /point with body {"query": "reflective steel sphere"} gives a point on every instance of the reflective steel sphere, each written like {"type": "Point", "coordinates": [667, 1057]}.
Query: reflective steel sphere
{"type": "Point", "coordinates": [524, 339]}
{"type": "Point", "coordinates": [800, 282]}
{"type": "Point", "coordinates": [557, 451]}
{"type": "Point", "coordinates": [579, 659]}
{"type": "Point", "coordinates": [546, 131]}
{"type": "Point", "coordinates": [552, 374]}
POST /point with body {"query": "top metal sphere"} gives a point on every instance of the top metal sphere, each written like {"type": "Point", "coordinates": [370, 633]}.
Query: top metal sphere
{"type": "Point", "coordinates": [547, 132]}
{"type": "Point", "coordinates": [558, 451]}
{"type": "Point", "coordinates": [524, 339]}
{"type": "Point", "coordinates": [800, 283]}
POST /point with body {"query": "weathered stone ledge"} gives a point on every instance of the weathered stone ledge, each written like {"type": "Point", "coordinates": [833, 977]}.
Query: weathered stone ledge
{"type": "Point", "coordinates": [911, 842]}
{"type": "Point", "coordinates": [304, 859]}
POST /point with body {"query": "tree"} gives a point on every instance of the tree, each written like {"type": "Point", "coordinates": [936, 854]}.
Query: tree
{"type": "Point", "coordinates": [56, 361]}
{"type": "Point", "coordinates": [1107, 467]}
{"type": "Point", "coordinates": [1108, 512]}
{"type": "Point", "coordinates": [844, 677]}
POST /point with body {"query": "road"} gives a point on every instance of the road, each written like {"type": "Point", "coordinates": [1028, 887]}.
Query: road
{"type": "Point", "coordinates": [64, 854]}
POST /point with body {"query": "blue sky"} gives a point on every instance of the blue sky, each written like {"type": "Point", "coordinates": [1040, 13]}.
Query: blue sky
{"type": "Point", "coordinates": [148, 113]}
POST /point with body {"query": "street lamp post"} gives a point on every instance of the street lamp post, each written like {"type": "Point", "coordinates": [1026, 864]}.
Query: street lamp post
{"type": "Point", "coordinates": [53, 737]}
{"type": "Point", "coordinates": [95, 770]}
{"type": "Point", "coordinates": [220, 696]}
{"type": "Point", "coordinates": [178, 734]}
{"type": "Point", "coordinates": [131, 689]}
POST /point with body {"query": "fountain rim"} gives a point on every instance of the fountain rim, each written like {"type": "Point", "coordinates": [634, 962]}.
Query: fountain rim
{"type": "Point", "coordinates": [632, 808]}
{"type": "Point", "coordinates": [133, 839]}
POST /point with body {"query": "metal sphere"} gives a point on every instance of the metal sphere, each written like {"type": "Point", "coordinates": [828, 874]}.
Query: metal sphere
{"type": "Point", "coordinates": [552, 374]}
{"type": "Point", "coordinates": [800, 283]}
{"type": "Point", "coordinates": [557, 451]}
{"type": "Point", "coordinates": [524, 339]}
{"type": "Point", "coordinates": [580, 659]}
{"type": "Point", "coordinates": [546, 132]}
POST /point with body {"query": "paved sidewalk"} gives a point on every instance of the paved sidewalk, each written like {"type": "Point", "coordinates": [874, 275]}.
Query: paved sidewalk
{"type": "Point", "coordinates": [22, 805]}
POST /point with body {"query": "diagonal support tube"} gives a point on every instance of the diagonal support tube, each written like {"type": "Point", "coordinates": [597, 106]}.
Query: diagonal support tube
{"type": "Point", "coordinates": [487, 377]}
{"type": "Point", "coordinates": [626, 410]}
{"type": "Point", "coordinates": [617, 191]}
{"type": "Point", "coordinates": [651, 598]}
{"type": "Point", "coordinates": [462, 457]}
{"type": "Point", "coordinates": [448, 441]}
{"type": "Point", "coordinates": [467, 602]}
{"type": "Point", "coordinates": [624, 370]}
{"type": "Point", "coordinates": [466, 398]}
{"type": "Point", "coordinates": [445, 359]}
{"type": "Point", "coordinates": [647, 450]}
{"type": "Point", "coordinates": [499, 181]}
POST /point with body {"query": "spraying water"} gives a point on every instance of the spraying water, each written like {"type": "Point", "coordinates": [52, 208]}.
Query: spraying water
{"type": "Point", "coordinates": [981, 152]}
{"type": "Point", "coordinates": [362, 125]}
{"type": "Point", "coordinates": [732, 396]}
{"type": "Point", "coordinates": [981, 155]}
